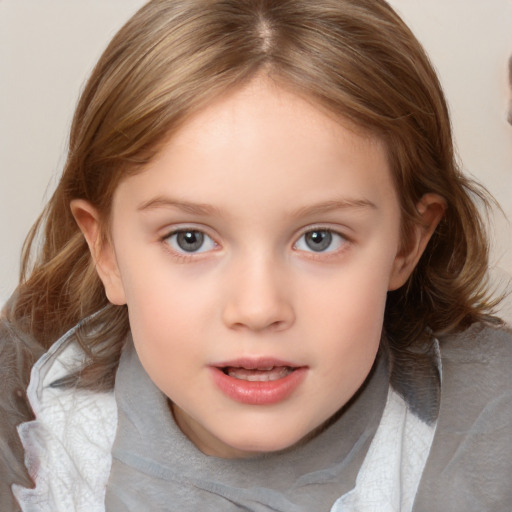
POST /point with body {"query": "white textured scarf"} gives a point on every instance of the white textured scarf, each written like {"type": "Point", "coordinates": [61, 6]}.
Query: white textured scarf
{"type": "Point", "coordinates": [68, 447]}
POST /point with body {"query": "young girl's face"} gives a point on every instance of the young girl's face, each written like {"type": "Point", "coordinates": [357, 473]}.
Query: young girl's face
{"type": "Point", "coordinates": [255, 254]}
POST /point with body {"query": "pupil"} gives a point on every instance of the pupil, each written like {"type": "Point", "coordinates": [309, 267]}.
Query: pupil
{"type": "Point", "coordinates": [190, 241]}
{"type": "Point", "coordinates": [318, 240]}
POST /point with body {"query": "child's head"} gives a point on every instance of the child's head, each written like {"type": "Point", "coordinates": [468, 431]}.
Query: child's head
{"type": "Point", "coordinates": [328, 70]}
{"type": "Point", "coordinates": [265, 234]}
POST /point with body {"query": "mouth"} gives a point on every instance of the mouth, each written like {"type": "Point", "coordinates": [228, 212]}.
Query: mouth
{"type": "Point", "coordinates": [258, 381]}
{"type": "Point", "coordinates": [269, 374]}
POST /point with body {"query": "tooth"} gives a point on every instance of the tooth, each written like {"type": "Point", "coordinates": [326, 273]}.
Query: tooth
{"type": "Point", "coordinates": [260, 375]}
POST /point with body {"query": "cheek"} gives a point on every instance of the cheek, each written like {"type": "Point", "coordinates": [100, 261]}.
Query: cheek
{"type": "Point", "coordinates": [169, 312]}
{"type": "Point", "coordinates": [357, 324]}
{"type": "Point", "coordinates": [351, 313]}
{"type": "Point", "coordinates": [155, 287]}
{"type": "Point", "coordinates": [165, 333]}
{"type": "Point", "coordinates": [355, 295]}
{"type": "Point", "coordinates": [161, 311]}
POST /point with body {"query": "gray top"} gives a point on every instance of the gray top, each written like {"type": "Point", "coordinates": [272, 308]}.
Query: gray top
{"type": "Point", "coordinates": [470, 463]}
{"type": "Point", "coordinates": [155, 467]}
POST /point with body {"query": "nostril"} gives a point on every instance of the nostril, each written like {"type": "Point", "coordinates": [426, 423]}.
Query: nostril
{"type": "Point", "coordinates": [257, 304]}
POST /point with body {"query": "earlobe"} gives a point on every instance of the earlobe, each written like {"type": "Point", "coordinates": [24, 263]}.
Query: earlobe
{"type": "Point", "coordinates": [102, 251]}
{"type": "Point", "coordinates": [431, 208]}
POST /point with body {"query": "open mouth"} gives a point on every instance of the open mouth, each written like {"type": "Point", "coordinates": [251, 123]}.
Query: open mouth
{"type": "Point", "coordinates": [258, 381]}
{"type": "Point", "coordinates": [258, 374]}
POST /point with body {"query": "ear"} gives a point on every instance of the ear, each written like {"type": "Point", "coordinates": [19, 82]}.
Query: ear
{"type": "Point", "coordinates": [102, 250]}
{"type": "Point", "coordinates": [431, 209]}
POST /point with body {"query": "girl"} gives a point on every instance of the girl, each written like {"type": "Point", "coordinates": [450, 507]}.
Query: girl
{"type": "Point", "coordinates": [262, 280]}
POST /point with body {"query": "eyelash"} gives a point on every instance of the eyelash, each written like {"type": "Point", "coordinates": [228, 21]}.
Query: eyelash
{"type": "Point", "coordinates": [186, 256]}
{"type": "Point", "coordinates": [342, 241]}
{"type": "Point", "coordinates": [182, 254]}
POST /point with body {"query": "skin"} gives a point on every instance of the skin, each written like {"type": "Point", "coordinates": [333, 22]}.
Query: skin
{"type": "Point", "coordinates": [256, 171]}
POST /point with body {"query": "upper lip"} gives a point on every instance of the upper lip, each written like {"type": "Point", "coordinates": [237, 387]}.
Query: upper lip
{"type": "Point", "coordinates": [255, 363]}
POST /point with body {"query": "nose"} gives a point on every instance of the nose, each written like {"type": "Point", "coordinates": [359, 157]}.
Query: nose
{"type": "Point", "coordinates": [258, 298]}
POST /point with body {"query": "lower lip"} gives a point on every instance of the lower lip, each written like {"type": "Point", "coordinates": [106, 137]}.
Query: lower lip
{"type": "Point", "coordinates": [258, 393]}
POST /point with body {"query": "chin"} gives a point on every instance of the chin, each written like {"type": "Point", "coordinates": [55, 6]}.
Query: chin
{"type": "Point", "coordinates": [252, 446]}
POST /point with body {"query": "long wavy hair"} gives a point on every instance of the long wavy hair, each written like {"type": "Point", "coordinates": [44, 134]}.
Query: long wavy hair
{"type": "Point", "coordinates": [356, 58]}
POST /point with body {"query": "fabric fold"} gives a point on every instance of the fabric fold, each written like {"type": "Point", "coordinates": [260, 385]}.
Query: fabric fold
{"type": "Point", "coordinates": [67, 447]}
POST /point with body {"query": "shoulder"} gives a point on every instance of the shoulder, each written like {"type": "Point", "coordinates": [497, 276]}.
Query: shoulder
{"type": "Point", "coordinates": [480, 343]}
{"type": "Point", "coordinates": [476, 386]}
{"type": "Point", "coordinates": [470, 464]}
{"type": "Point", "coordinates": [477, 366]}
{"type": "Point", "coordinates": [68, 445]}
{"type": "Point", "coordinates": [17, 355]}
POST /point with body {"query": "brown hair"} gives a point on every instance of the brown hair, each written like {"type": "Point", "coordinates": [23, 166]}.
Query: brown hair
{"type": "Point", "coordinates": [354, 57]}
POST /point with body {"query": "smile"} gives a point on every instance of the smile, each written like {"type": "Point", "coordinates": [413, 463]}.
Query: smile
{"type": "Point", "coordinates": [259, 375]}
{"type": "Point", "coordinates": [258, 382]}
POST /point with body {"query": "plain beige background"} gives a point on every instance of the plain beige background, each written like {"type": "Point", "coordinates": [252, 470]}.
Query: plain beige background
{"type": "Point", "coordinates": [48, 48]}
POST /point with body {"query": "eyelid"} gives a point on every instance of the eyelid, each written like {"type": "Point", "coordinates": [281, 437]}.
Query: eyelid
{"type": "Point", "coordinates": [172, 229]}
{"type": "Point", "coordinates": [180, 253]}
{"type": "Point", "coordinates": [187, 256]}
{"type": "Point", "coordinates": [329, 229]}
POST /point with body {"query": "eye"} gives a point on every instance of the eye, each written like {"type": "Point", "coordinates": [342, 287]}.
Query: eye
{"type": "Point", "coordinates": [320, 240]}
{"type": "Point", "coordinates": [190, 241]}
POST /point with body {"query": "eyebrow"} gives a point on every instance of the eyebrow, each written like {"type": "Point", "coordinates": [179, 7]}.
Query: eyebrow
{"type": "Point", "coordinates": [207, 209]}
{"type": "Point", "coordinates": [167, 202]}
{"type": "Point", "coordinates": [341, 204]}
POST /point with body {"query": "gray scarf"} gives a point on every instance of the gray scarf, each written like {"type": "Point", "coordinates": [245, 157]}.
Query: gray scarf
{"type": "Point", "coordinates": [155, 467]}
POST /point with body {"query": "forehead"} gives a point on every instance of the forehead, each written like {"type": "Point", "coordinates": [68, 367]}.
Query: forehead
{"type": "Point", "coordinates": [242, 111]}
{"type": "Point", "coordinates": [266, 143]}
